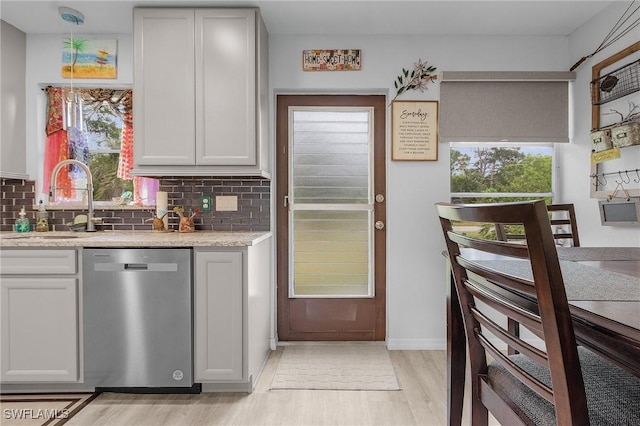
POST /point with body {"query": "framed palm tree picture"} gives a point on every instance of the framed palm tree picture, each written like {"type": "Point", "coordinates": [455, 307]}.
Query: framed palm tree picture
{"type": "Point", "coordinates": [82, 58]}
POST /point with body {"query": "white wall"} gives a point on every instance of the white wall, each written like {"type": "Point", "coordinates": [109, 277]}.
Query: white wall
{"type": "Point", "coordinates": [575, 184]}
{"type": "Point", "coordinates": [415, 281]}
{"type": "Point", "coordinates": [415, 272]}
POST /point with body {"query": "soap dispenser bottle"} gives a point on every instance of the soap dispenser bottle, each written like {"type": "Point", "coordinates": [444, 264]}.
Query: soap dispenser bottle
{"type": "Point", "coordinates": [22, 223]}
{"type": "Point", "coordinates": [42, 219]}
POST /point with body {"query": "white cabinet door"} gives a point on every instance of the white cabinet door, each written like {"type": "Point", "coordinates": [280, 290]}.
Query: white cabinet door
{"type": "Point", "coordinates": [218, 309]}
{"type": "Point", "coordinates": [164, 87]}
{"type": "Point", "coordinates": [13, 154]}
{"type": "Point", "coordinates": [226, 87]}
{"type": "Point", "coordinates": [39, 331]}
{"type": "Point", "coordinates": [195, 88]}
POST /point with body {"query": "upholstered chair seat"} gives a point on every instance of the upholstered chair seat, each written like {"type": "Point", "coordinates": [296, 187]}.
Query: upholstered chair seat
{"type": "Point", "coordinates": [613, 395]}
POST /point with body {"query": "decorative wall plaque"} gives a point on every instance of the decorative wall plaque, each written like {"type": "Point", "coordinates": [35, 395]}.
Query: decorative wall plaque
{"type": "Point", "coordinates": [331, 60]}
{"type": "Point", "coordinates": [414, 130]}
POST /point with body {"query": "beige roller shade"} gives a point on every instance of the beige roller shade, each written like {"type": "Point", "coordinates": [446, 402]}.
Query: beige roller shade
{"type": "Point", "coordinates": [504, 106]}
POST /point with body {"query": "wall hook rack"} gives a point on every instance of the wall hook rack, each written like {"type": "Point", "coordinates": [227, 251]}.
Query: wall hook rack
{"type": "Point", "coordinates": [601, 180]}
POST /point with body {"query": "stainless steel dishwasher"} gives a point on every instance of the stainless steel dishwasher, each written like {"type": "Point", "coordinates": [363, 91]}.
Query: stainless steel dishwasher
{"type": "Point", "coordinates": [138, 322]}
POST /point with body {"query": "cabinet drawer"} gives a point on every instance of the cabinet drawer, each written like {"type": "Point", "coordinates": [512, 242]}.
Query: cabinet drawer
{"type": "Point", "coordinates": [34, 262]}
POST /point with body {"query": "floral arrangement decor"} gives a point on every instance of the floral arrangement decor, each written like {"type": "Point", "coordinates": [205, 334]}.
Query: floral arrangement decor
{"type": "Point", "coordinates": [418, 79]}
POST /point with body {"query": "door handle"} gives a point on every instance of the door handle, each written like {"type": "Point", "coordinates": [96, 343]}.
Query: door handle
{"type": "Point", "coordinates": [379, 225]}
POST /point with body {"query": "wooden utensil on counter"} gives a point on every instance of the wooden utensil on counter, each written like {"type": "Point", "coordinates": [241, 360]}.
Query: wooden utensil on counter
{"type": "Point", "coordinates": [186, 222]}
{"type": "Point", "coordinates": [158, 222]}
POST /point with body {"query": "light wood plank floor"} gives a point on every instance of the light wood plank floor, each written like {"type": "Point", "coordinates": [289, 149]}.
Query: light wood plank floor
{"type": "Point", "coordinates": [421, 375]}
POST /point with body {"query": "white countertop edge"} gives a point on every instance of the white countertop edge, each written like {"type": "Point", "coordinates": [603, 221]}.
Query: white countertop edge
{"type": "Point", "coordinates": [260, 239]}
{"type": "Point", "coordinates": [132, 239]}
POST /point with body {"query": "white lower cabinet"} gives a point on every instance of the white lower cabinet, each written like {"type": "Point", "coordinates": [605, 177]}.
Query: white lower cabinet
{"type": "Point", "coordinates": [231, 316]}
{"type": "Point", "coordinates": [40, 307]}
{"type": "Point", "coordinates": [218, 316]}
{"type": "Point", "coordinates": [39, 330]}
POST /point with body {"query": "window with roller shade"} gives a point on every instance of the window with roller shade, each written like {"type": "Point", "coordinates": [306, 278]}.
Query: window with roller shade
{"type": "Point", "coordinates": [501, 127]}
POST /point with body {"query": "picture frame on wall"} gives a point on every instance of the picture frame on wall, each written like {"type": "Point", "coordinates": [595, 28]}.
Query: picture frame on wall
{"type": "Point", "coordinates": [414, 130]}
{"type": "Point", "coordinates": [87, 58]}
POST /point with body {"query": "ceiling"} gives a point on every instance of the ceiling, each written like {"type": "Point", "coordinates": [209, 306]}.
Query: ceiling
{"type": "Point", "coordinates": [329, 17]}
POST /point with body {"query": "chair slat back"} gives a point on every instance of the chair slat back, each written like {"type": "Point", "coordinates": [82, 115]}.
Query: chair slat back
{"type": "Point", "coordinates": [569, 220]}
{"type": "Point", "coordinates": [536, 299]}
{"type": "Point", "coordinates": [563, 225]}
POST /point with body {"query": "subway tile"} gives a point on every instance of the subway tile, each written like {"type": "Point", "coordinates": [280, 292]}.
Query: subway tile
{"type": "Point", "coordinates": [253, 205]}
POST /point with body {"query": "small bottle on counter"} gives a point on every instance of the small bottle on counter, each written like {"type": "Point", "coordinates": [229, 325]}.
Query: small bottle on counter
{"type": "Point", "coordinates": [42, 219]}
{"type": "Point", "coordinates": [22, 223]}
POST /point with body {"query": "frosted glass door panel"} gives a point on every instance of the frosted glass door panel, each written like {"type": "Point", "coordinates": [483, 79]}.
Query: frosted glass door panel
{"type": "Point", "coordinates": [331, 253]}
{"type": "Point", "coordinates": [330, 200]}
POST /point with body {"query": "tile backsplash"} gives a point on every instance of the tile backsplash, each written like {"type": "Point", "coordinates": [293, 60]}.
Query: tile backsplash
{"type": "Point", "coordinates": [16, 193]}
{"type": "Point", "coordinates": [254, 195]}
{"type": "Point", "coordinates": [253, 214]}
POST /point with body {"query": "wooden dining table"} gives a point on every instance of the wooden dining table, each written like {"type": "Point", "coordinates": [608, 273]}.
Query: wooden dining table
{"type": "Point", "coordinates": [603, 290]}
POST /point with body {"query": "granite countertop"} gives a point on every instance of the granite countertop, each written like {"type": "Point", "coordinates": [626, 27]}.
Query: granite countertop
{"type": "Point", "coordinates": [131, 239]}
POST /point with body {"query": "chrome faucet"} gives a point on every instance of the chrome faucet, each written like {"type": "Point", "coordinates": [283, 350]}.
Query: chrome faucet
{"type": "Point", "coordinates": [52, 188]}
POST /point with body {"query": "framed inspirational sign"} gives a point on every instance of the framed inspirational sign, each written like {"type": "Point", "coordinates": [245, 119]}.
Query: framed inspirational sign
{"type": "Point", "coordinates": [414, 130]}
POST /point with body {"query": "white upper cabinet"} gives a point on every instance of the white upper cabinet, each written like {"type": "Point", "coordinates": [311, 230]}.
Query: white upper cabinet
{"type": "Point", "coordinates": [226, 82]}
{"type": "Point", "coordinates": [13, 154]}
{"type": "Point", "coordinates": [200, 92]}
{"type": "Point", "coordinates": [164, 87]}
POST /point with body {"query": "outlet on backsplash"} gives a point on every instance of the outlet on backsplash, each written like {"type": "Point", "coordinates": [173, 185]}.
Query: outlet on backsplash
{"type": "Point", "coordinates": [205, 203]}
{"type": "Point", "coordinates": [226, 203]}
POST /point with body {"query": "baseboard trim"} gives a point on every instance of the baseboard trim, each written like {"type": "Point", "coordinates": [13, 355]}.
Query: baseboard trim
{"type": "Point", "coordinates": [228, 387]}
{"type": "Point", "coordinates": [392, 344]}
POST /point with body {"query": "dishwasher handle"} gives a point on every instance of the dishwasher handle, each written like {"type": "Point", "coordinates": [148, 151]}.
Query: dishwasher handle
{"type": "Point", "coordinates": [136, 266]}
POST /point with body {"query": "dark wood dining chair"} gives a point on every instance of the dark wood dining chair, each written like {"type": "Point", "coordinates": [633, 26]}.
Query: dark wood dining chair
{"type": "Point", "coordinates": [550, 382]}
{"type": "Point", "coordinates": [563, 225]}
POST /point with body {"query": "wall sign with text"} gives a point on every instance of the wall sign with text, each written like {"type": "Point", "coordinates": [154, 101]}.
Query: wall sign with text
{"type": "Point", "coordinates": [414, 127]}
{"type": "Point", "coordinates": [331, 60]}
